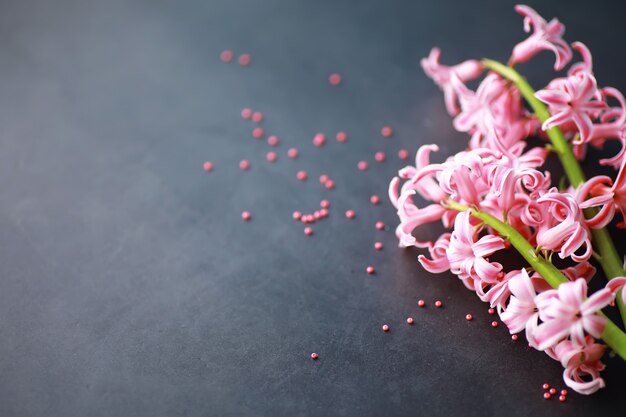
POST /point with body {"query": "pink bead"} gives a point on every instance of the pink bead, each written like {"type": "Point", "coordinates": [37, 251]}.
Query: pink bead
{"type": "Point", "coordinates": [257, 132]}
{"type": "Point", "coordinates": [302, 175]}
{"type": "Point", "coordinates": [378, 245]}
{"type": "Point", "coordinates": [246, 113]}
{"type": "Point", "coordinates": [350, 214]}
{"type": "Point", "coordinates": [226, 56]}
{"type": "Point", "coordinates": [491, 311]}
{"type": "Point", "coordinates": [334, 79]}
{"type": "Point", "coordinates": [385, 328]}
{"type": "Point", "coordinates": [324, 204]}
{"type": "Point", "coordinates": [514, 338]}
{"type": "Point", "coordinates": [324, 212]}
{"type": "Point", "coordinates": [562, 398]}
{"type": "Point", "coordinates": [438, 304]}
{"type": "Point", "coordinates": [469, 317]}
{"type": "Point", "coordinates": [208, 166]}
{"type": "Point", "coordinates": [362, 165]}
{"type": "Point", "coordinates": [308, 231]}
{"type": "Point", "coordinates": [271, 156]}
{"type": "Point", "coordinates": [324, 178]}
{"type": "Point", "coordinates": [317, 215]}
{"type": "Point", "coordinates": [421, 303]}
{"type": "Point", "coordinates": [374, 199]}
{"type": "Point", "coordinates": [341, 137]}
{"type": "Point", "coordinates": [380, 225]}
{"type": "Point", "coordinates": [329, 184]}
{"type": "Point", "coordinates": [546, 386]}
{"type": "Point", "coordinates": [403, 154]}
{"type": "Point", "coordinates": [244, 165]}
{"type": "Point", "coordinates": [272, 140]}
{"type": "Point", "coordinates": [292, 153]}
{"type": "Point", "coordinates": [244, 59]}
{"type": "Point", "coordinates": [370, 270]}
{"type": "Point", "coordinates": [246, 215]}
{"type": "Point", "coordinates": [314, 356]}
{"type": "Point", "coordinates": [296, 215]}
{"type": "Point", "coordinates": [552, 391]}
{"type": "Point", "coordinates": [494, 324]}
{"type": "Point", "coordinates": [563, 392]}
{"type": "Point", "coordinates": [319, 139]}
{"type": "Point", "coordinates": [546, 395]}
{"type": "Point", "coordinates": [379, 156]}
{"type": "Point", "coordinates": [386, 131]}
{"type": "Point", "coordinates": [409, 320]}
{"type": "Point", "coordinates": [257, 117]}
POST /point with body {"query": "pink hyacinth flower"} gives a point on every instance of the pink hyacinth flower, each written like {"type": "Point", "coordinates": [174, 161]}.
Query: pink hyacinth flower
{"type": "Point", "coordinates": [440, 74]}
{"type": "Point", "coordinates": [616, 284]}
{"type": "Point", "coordinates": [582, 364]}
{"type": "Point", "coordinates": [600, 187]}
{"type": "Point", "coordinates": [521, 313]}
{"type": "Point", "coordinates": [567, 312]}
{"type": "Point", "coordinates": [574, 99]}
{"type": "Point", "coordinates": [545, 36]}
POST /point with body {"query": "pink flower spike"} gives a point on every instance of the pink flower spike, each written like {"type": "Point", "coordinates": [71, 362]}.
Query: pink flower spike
{"type": "Point", "coordinates": [545, 36]}
{"type": "Point", "coordinates": [616, 284]}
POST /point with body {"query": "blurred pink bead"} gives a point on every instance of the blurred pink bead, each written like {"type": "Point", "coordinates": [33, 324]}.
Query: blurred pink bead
{"type": "Point", "coordinates": [271, 156]}
{"type": "Point", "coordinates": [324, 204]}
{"type": "Point", "coordinates": [469, 317]}
{"type": "Point", "coordinates": [386, 131]}
{"type": "Point", "coordinates": [324, 212]}
{"type": "Point", "coordinates": [319, 139]}
{"type": "Point", "coordinates": [302, 175]}
{"type": "Point", "coordinates": [244, 165]}
{"type": "Point", "coordinates": [514, 338]}
{"type": "Point", "coordinates": [494, 324]}
{"type": "Point", "coordinates": [403, 154]}
{"type": "Point", "coordinates": [296, 215]}
{"type": "Point", "coordinates": [317, 215]}
{"type": "Point", "coordinates": [409, 320]}
{"type": "Point", "coordinates": [226, 56]}
{"type": "Point", "coordinates": [341, 137]}
{"type": "Point", "coordinates": [308, 231]}
{"type": "Point", "coordinates": [379, 156]}
{"type": "Point", "coordinates": [272, 140]}
{"type": "Point", "coordinates": [292, 153]}
{"type": "Point", "coordinates": [380, 225]}
{"type": "Point", "coordinates": [314, 356]}
{"type": "Point", "coordinates": [246, 113]}
{"type": "Point", "coordinates": [421, 303]}
{"type": "Point", "coordinates": [246, 215]}
{"type": "Point", "coordinates": [350, 214]}
{"type": "Point", "coordinates": [208, 166]}
{"type": "Point", "coordinates": [362, 165]}
{"type": "Point", "coordinates": [257, 117]}
{"type": "Point", "coordinates": [334, 79]}
{"type": "Point", "coordinates": [385, 328]}
{"type": "Point", "coordinates": [438, 304]}
{"type": "Point", "coordinates": [244, 59]}
{"type": "Point", "coordinates": [257, 133]}
{"type": "Point", "coordinates": [324, 178]}
{"type": "Point", "coordinates": [370, 270]}
{"type": "Point", "coordinates": [378, 245]}
{"type": "Point", "coordinates": [329, 184]}
{"type": "Point", "coordinates": [374, 199]}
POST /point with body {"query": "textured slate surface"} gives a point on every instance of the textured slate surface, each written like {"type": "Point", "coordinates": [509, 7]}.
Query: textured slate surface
{"type": "Point", "coordinates": [129, 286]}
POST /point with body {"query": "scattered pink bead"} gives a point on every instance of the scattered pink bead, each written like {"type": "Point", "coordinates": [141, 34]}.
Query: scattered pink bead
{"type": "Point", "coordinates": [491, 311]}
{"type": "Point", "coordinates": [438, 304]}
{"type": "Point", "coordinates": [292, 153]}
{"type": "Point", "coordinates": [208, 166]}
{"type": "Point", "coordinates": [324, 178]}
{"type": "Point", "coordinates": [514, 338]}
{"type": "Point", "coordinates": [319, 139]}
{"type": "Point", "coordinates": [334, 79]}
{"type": "Point", "coordinates": [244, 165]}
{"type": "Point", "coordinates": [421, 303]}
{"type": "Point", "coordinates": [403, 154]}
{"type": "Point", "coordinates": [374, 199]}
{"type": "Point", "coordinates": [302, 175]}
{"type": "Point", "coordinates": [308, 231]}
{"type": "Point", "coordinates": [385, 328]}
{"type": "Point", "coordinates": [370, 270]}
{"type": "Point", "coordinates": [246, 215]}
{"type": "Point", "coordinates": [246, 113]}
{"type": "Point", "coordinates": [563, 392]}
{"type": "Point", "coordinates": [324, 204]}
{"type": "Point", "coordinates": [271, 156]}
{"type": "Point", "coordinates": [552, 391]}
{"type": "Point", "coordinates": [562, 398]}
{"type": "Point", "coordinates": [546, 395]}
{"type": "Point", "coordinates": [317, 215]}
{"type": "Point", "coordinates": [244, 60]}
{"type": "Point", "coordinates": [386, 131]}
{"type": "Point", "coordinates": [469, 317]}
{"type": "Point", "coordinates": [409, 320]}
{"type": "Point", "coordinates": [378, 245]}
{"type": "Point", "coordinates": [494, 324]}
{"type": "Point", "coordinates": [341, 137]}
{"type": "Point", "coordinates": [329, 184]}
{"type": "Point", "coordinates": [324, 212]}
{"type": "Point", "coordinates": [379, 156]}
{"type": "Point", "coordinates": [380, 225]}
{"type": "Point", "coordinates": [257, 117]}
{"type": "Point", "coordinates": [272, 140]}
{"type": "Point", "coordinates": [546, 386]}
{"type": "Point", "coordinates": [226, 56]}
{"type": "Point", "coordinates": [296, 215]}
{"type": "Point", "coordinates": [362, 165]}
{"type": "Point", "coordinates": [350, 214]}
{"type": "Point", "coordinates": [257, 133]}
{"type": "Point", "coordinates": [314, 356]}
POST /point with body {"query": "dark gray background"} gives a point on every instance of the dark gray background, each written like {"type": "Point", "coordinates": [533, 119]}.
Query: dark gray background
{"type": "Point", "coordinates": [129, 286]}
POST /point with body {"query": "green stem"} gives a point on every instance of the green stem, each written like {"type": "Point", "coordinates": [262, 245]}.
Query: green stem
{"type": "Point", "coordinates": [603, 244]}
{"type": "Point", "coordinates": [612, 334]}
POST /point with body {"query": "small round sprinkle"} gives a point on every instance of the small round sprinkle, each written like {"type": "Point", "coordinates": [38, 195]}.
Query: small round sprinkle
{"type": "Point", "coordinates": [563, 392]}
{"type": "Point", "coordinates": [244, 60]}
{"type": "Point", "coordinates": [374, 199]}
{"type": "Point", "coordinates": [308, 231]}
{"type": "Point", "coordinates": [246, 113]}
{"type": "Point", "coordinates": [386, 131]}
{"type": "Point", "coordinates": [317, 215]}
{"type": "Point", "coordinates": [362, 165]}
{"type": "Point", "coordinates": [370, 270]}
{"type": "Point", "coordinates": [350, 214]}
{"type": "Point", "coordinates": [562, 398]}
{"type": "Point", "coordinates": [409, 320]}
{"type": "Point", "coordinates": [257, 132]}
{"type": "Point", "coordinates": [438, 304]}
{"type": "Point", "coordinates": [319, 139]}
{"type": "Point", "coordinates": [302, 175]}
{"type": "Point", "coordinates": [334, 79]}
{"type": "Point", "coordinates": [380, 225]}
{"type": "Point", "coordinates": [257, 117]}
{"type": "Point", "coordinates": [546, 395]}
{"type": "Point", "coordinates": [385, 328]}
{"type": "Point", "coordinates": [324, 204]}
{"type": "Point", "coordinates": [546, 386]}
{"type": "Point", "coordinates": [271, 156]}
{"type": "Point", "coordinates": [296, 215]}
{"type": "Point", "coordinates": [244, 165]}
{"type": "Point", "coordinates": [421, 303]}
{"type": "Point", "coordinates": [329, 184]}
{"type": "Point", "coordinates": [324, 212]}
{"type": "Point", "coordinates": [491, 311]}
{"type": "Point", "coordinates": [245, 215]}
{"type": "Point", "coordinates": [379, 156]}
{"type": "Point", "coordinates": [314, 356]}
{"type": "Point", "coordinates": [378, 245]}
{"type": "Point", "coordinates": [272, 140]}
{"type": "Point", "coordinates": [226, 56]}
{"type": "Point", "coordinates": [469, 317]}
{"type": "Point", "coordinates": [552, 391]}
{"type": "Point", "coordinates": [494, 324]}
{"type": "Point", "coordinates": [341, 137]}
{"type": "Point", "coordinates": [514, 337]}
{"type": "Point", "coordinates": [292, 153]}
{"type": "Point", "coordinates": [208, 166]}
{"type": "Point", "coordinates": [403, 154]}
{"type": "Point", "coordinates": [324, 178]}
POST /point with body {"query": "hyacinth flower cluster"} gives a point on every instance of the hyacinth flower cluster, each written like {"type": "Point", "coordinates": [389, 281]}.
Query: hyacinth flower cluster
{"type": "Point", "coordinates": [497, 195]}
